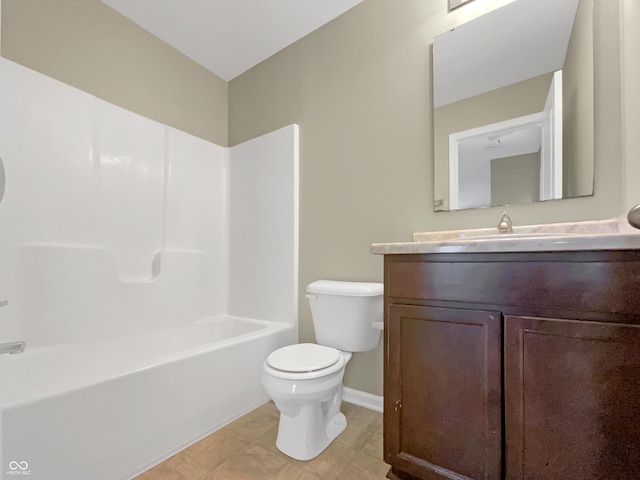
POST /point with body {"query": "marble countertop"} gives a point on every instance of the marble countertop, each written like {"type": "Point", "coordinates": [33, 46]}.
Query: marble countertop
{"type": "Point", "coordinates": [593, 235]}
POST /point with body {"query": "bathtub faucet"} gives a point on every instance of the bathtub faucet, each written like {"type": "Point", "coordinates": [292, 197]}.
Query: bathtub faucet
{"type": "Point", "coordinates": [12, 347]}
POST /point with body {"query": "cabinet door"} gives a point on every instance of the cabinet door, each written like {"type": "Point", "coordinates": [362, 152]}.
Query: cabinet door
{"type": "Point", "coordinates": [443, 393]}
{"type": "Point", "coordinates": [572, 399]}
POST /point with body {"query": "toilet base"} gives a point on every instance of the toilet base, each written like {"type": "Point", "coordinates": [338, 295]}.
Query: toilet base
{"type": "Point", "coordinates": [306, 436]}
{"type": "Point", "coordinates": [310, 417]}
{"type": "Point", "coordinates": [336, 427]}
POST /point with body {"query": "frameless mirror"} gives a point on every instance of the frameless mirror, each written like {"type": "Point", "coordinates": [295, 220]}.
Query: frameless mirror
{"type": "Point", "coordinates": [513, 106]}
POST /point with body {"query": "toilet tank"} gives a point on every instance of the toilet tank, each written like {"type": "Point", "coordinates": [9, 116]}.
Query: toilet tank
{"type": "Point", "coordinates": [343, 313]}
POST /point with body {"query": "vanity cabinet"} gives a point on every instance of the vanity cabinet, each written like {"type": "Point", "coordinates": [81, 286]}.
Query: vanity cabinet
{"type": "Point", "coordinates": [440, 397]}
{"type": "Point", "coordinates": [512, 365]}
{"type": "Point", "coordinates": [572, 399]}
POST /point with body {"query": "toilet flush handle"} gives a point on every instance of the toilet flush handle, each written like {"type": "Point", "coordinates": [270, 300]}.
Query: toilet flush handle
{"type": "Point", "coordinates": [311, 296]}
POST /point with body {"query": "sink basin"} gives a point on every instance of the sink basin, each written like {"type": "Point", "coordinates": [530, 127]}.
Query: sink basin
{"type": "Point", "coordinates": [513, 236]}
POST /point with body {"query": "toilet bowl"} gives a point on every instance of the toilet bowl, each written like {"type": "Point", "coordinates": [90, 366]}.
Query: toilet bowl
{"type": "Point", "coordinates": [309, 402]}
{"type": "Point", "coordinates": [305, 380]}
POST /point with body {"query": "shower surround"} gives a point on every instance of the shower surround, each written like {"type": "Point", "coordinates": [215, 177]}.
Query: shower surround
{"type": "Point", "coordinates": [150, 273]}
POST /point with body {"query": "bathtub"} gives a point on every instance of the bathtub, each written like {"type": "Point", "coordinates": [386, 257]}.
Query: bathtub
{"type": "Point", "coordinates": [110, 410]}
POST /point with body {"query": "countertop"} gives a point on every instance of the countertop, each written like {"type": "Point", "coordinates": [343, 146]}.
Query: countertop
{"type": "Point", "coordinates": [614, 234]}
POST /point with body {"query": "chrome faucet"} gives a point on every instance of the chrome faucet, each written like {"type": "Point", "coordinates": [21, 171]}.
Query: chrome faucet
{"type": "Point", "coordinates": [12, 347]}
{"type": "Point", "coordinates": [504, 226]}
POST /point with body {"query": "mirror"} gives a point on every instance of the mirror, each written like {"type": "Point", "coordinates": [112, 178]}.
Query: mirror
{"type": "Point", "coordinates": [513, 106]}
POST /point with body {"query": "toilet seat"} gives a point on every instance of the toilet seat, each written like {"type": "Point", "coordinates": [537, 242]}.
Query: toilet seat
{"type": "Point", "coordinates": [304, 361]}
{"type": "Point", "coordinates": [303, 357]}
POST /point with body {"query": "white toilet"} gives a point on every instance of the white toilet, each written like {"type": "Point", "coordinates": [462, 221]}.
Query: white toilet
{"type": "Point", "coordinates": [305, 380]}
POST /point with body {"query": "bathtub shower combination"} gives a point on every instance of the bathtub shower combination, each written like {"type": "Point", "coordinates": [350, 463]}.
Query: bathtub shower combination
{"type": "Point", "coordinates": [147, 275]}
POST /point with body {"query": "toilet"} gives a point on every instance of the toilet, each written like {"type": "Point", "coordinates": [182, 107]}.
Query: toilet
{"type": "Point", "coordinates": [305, 380]}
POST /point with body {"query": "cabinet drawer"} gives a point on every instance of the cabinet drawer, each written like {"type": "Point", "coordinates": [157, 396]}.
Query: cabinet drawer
{"type": "Point", "coordinates": [573, 281]}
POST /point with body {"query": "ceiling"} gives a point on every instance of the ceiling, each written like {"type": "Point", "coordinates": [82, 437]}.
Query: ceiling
{"type": "Point", "coordinates": [228, 37]}
{"type": "Point", "coordinates": [518, 41]}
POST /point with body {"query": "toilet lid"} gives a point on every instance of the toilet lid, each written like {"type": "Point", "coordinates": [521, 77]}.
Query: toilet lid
{"type": "Point", "coordinates": [304, 357]}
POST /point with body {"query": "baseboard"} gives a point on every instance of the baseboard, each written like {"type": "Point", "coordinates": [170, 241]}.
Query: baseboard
{"type": "Point", "coordinates": [364, 399]}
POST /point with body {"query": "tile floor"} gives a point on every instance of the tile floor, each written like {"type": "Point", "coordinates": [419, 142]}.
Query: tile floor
{"type": "Point", "coordinates": [246, 449]}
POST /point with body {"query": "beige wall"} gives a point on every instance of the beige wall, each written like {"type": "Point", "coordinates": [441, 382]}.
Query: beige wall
{"type": "Point", "coordinates": [577, 102]}
{"type": "Point", "coordinates": [90, 46]}
{"type": "Point", "coordinates": [515, 179]}
{"type": "Point", "coordinates": [360, 89]}
{"type": "Point", "coordinates": [631, 102]}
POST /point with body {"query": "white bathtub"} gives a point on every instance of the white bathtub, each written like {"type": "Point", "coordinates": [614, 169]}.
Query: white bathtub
{"type": "Point", "coordinates": [110, 410]}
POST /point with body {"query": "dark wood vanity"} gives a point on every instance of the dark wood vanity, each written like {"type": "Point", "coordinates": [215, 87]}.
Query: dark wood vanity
{"type": "Point", "coordinates": [512, 365]}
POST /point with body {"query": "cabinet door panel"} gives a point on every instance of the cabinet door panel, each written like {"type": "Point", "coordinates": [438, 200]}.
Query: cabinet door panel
{"type": "Point", "coordinates": [443, 392]}
{"type": "Point", "coordinates": [572, 399]}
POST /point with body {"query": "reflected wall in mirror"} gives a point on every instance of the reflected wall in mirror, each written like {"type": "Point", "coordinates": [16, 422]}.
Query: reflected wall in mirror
{"type": "Point", "coordinates": [513, 106]}
{"type": "Point", "coordinates": [1, 179]}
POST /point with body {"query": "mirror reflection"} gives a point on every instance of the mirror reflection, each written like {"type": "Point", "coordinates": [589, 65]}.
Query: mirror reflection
{"type": "Point", "coordinates": [513, 106]}
{"type": "Point", "coordinates": [1, 179]}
